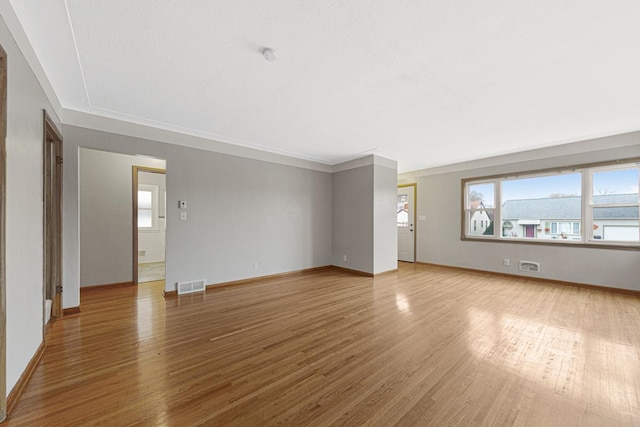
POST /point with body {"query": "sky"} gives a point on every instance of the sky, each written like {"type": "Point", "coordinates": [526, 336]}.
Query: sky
{"type": "Point", "coordinates": [619, 181]}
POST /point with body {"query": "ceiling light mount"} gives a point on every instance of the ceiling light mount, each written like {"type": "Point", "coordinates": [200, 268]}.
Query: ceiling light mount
{"type": "Point", "coordinates": [269, 54]}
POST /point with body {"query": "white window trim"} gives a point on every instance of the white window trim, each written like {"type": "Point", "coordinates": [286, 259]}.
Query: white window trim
{"type": "Point", "coordinates": [586, 226]}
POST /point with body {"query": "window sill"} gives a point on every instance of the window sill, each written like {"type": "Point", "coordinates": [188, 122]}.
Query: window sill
{"type": "Point", "coordinates": [564, 243]}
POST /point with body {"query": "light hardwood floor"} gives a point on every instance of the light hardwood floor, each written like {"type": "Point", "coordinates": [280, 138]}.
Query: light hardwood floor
{"type": "Point", "coordinates": [424, 346]}
{"type": "Point", "coordinates": [150, 272]}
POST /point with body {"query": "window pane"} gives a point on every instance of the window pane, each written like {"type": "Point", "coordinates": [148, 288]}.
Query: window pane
{"type": "Point", "coordinates": [618, 186]}
{"type": "Point", "coordinates": [145, 218]}
{"type": "Point", "coordinates": [616, 223]}
{"type": "Point", "coordinates": [481, 196]}
{"type": "Point", "coordinates": [542, 207]}
{"type": "Point", "coordinates": [403, 210]}
{"type": "Point", "coordinates": [480, 222]}
{"type": "Point", "coordinates": [144, 199]}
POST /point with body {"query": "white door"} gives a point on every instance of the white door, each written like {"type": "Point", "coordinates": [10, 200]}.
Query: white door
{"type": "Point", "coordinates": [406, 222]}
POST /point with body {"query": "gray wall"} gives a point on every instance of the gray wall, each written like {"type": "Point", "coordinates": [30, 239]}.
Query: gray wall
{"type": "Point", "coordinates": [385, 230]}
{"type": "Point", "coordinates": [352, 233]}
{"type": "Point", "coordinates": [24, 254]}
{"type": "Point", "coordinates": [106, 229]}
{"type": "Point", "coordinates": [240, 212]}
{"type": "Point", "coordinates": [439, 200]}
{"type": "Point", "coordinates": [364, 215]}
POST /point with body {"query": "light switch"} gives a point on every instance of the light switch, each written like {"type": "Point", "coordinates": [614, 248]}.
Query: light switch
{"type": "Point", "coordinates": [183, 216]}
{"type": "Point", "coordinates": [182, 204]}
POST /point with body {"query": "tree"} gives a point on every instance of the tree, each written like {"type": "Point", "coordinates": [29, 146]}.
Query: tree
{"type": "Point", "coordinates": [489, 230]}
{"type": "Point", "coordinates": [475, 199]}
{"type": "Point", "coordinates": [604, 191]}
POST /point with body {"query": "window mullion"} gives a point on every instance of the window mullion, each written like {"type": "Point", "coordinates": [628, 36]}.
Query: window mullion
{"type": "Point", "coordinates": [497, 212]}
{"type": "Point", "coordinates": [587, 205]}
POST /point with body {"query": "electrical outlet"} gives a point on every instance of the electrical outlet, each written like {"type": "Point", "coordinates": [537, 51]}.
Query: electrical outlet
{"type": "Point", "coordinates": [255, 265]}
{"type": "Point", "coordinates": [183, 216]}
{"type": "Point", "coordinates": [506, 262]}
{"type": "Point", "coordinates": [344, 258]}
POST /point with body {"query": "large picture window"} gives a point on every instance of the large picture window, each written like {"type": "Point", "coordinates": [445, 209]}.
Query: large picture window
{"type": "Point", "coordinates": [585, 205]}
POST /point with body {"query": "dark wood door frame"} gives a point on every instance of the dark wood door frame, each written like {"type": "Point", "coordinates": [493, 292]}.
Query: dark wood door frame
{"type": "Point", "coordinates": [3, 192]}
{"type": "Point", "coordinates": [134, 193]}
{"type": "Point", "coordinates": [52, 206]}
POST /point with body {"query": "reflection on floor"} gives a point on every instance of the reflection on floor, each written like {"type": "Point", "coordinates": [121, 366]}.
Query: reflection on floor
{"type": "Point", "coordinates": [153, 288]}
{"type": "Point", "coordinates": [423, 346]}
{"type": "Point", "coordinates": [150, 271]}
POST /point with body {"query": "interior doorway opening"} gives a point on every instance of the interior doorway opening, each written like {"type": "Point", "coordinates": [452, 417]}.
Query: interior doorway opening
{"type": "Point", "coordinates": [149, 224]}
{"type": "Point", "coordinates": [105, 202]}
{"type": "Point", "coordinates": [52, 199]}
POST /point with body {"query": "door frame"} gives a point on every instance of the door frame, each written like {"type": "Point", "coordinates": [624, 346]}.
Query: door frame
{"type": "Point", "coordinates": [3, 205]}
{"type": "Point", "coordinates": [52, 215]}
{"type": "Point", "coordinates": [415, 209]}
{"type": "Point", "coordinates": [134, 194]}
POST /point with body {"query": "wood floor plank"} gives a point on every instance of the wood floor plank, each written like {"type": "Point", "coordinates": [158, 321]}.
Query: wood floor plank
{"type": "Point", "coordinates": [422, 346]}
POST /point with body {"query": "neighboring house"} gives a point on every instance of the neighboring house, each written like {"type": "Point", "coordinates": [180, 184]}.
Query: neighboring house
{"type": "Point", "coordinates": [560, 218]}
{"type": "Point", "coordinates": [480, 221]}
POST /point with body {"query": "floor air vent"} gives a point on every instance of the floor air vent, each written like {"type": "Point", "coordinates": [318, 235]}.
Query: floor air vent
{"type": "Point", "coordinates": [191, 287]}
{"type": "Point", "coordinates": [531, 266]}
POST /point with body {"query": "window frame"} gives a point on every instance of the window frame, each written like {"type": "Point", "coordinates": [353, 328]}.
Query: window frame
{"type": "Point", "coordinates": [586, 223]}
{"type": "Point", "coordinates": [470, 212]}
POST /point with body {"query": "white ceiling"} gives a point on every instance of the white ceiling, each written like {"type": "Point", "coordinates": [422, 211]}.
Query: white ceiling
{"type": "Point", "coordinates": [425, 83]}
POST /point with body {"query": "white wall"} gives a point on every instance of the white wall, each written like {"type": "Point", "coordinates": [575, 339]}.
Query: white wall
{"type": "Point", "coordinates": [106, 229]}
{"type": "Point", "coordinates": [439, 200]}
{"type": "Point", "coordinates": [152, 241]}
{"type": "Point", "coordinates": [240, 212]}
{"type": "Point", "coordinates": [24, 254]}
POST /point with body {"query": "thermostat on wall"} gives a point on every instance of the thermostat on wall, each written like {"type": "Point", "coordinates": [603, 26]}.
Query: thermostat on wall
{"type": "Point", "coordinates": [182, 204]}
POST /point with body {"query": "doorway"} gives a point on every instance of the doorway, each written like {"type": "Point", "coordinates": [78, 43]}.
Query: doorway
{"type": "Point", "coordinates": [52, 198]}
{"type": "Point", "coordinates": [149, 224]}
{"type": "Point", "coordinates": [3, 192]}
{"type": "Point", "coordinates": [406, 222]}
{"type": "Point", "coordinates": [529, 230]}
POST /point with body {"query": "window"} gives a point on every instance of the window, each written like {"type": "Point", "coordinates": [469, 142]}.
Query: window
{"type": "Point", "coordinates": [403, 210]}
{"type": "Point", "coordinates": [147, 207]}
{"type": "Point", "coordinates": [589, 205]}
{"type": "Point", "coordinates": [528, 203]}
{"type": "Point", "coordinates": [564, 229]}
{"type": "Point", "coordinates": [614, 204]}
{"type": "Point", "coordinates": [480, 208]}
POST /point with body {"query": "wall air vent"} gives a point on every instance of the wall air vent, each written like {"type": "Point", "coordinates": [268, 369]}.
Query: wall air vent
{"type": "Point", "coordinates": [191, 287]}
{"type": "Point", "coordinates": [533, 267]}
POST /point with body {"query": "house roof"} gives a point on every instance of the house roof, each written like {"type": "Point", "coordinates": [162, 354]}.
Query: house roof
{"type": "Point", "coordinates": [569, 207]}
